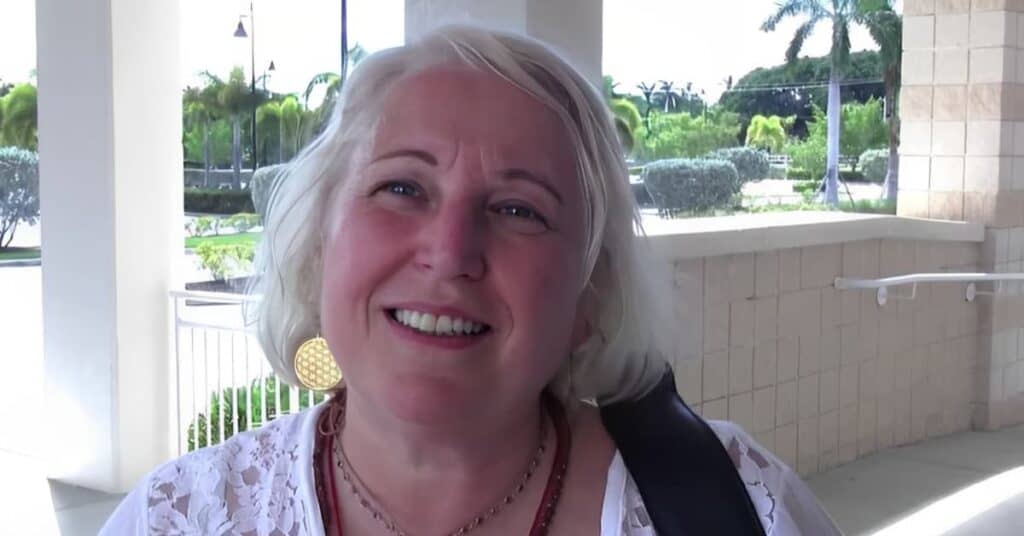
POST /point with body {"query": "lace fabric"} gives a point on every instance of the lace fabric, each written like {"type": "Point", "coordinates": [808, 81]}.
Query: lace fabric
{"type": "Point", "coordinates": [260, 483]}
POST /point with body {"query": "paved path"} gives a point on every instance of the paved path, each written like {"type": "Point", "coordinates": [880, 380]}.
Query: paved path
{"type": "Point", "coordinates": [920, 490]}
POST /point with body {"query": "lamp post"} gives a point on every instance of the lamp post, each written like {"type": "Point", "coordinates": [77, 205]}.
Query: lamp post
{"type": "Point", "coordinates": [240, 32]}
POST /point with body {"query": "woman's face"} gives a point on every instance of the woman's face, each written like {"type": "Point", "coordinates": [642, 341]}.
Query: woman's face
{"type": "Point", "coordinates": [453, 259]}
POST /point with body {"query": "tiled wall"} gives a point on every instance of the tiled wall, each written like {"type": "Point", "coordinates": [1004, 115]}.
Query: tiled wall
{"type": "Point", "coordinates": [823, 376]}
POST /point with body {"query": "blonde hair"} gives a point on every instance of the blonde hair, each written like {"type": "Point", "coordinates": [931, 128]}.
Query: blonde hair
{"type": "Point", "coordinates": [623, 357]}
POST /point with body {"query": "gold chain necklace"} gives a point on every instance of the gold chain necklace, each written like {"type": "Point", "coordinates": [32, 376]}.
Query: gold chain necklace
{"type": "Point", "coordinates": [348, 473]}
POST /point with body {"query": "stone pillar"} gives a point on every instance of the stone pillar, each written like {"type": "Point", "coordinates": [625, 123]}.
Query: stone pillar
{"type": "Point", "coordinates": [573, 27]}
{"type": "Point", "coordinates": [111, 190]}
{"type": "Point", "coordinates": [962, 158]}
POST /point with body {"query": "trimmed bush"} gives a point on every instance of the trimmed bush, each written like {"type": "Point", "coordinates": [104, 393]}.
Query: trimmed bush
{"type": "Point", "coordinates": [751, 164]}
{"type": "Point", "coordinates": [851, 176]}
{"type": "Point", "coordinates": [874, 163]}
{"type": "Point", "coordinates": [680, 185]}
{"type": "Point", "coordinates": [262, 184]}
{"type": "Point", "coordinates": [218, 201]}
{"type": "Point", "coordinates": [242, 222]}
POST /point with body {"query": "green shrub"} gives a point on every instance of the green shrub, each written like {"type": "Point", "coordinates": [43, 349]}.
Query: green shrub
{"type": "Point", "coordinates": [225, 260]}
{"type": "Point", "coordinates": [751, 164]}
{"type": "Point", "coordinates": [874, 163]}
{"type": "Point", "coordinates": [262, 184]}
{"type": "Point", "coordinates": [680, 185]}
{"type": "Point", "coordinates": [19, 190]}
{"type": "Point", "coordinates": [797, 174]}
{"type": "Point", "coordinates": [205, 428]}
{"type": "Point", "coordinates": [805, 186]}
{"type": "Point", "coordinates": [242, 222]}
{"type": "Point", "coordinates": [851, 176]}
{"type": "Point", "coordinates": [218, 201]}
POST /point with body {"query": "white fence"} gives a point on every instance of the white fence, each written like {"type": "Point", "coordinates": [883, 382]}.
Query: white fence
{"type": "Point", "coordinates": [223, 383]}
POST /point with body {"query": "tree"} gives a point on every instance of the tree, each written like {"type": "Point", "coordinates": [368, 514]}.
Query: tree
{"type": "Point", "coordinates": [201, 108]}
{"type": "Point", "coordinates": [886, 28]}
{"type": "Point", "coordinates": [647, 90]}
{"type": "Point", "coordinates": [863, 128]}
{"type": "Point", "coordinates": [19, 191]}
{"type": "Point", "coordinates": [770, 90]}
{"type": "Point", "coordinates": [841, 14]}
{"type": "Point", "coordinates": [671, 98]}
{"type": "Point", "coordinates": [682, 135]}
{"type": "Point", "coordinates": [19, 118]}
{"type": "Point", "coordinates": [235, 100]}
{"type": "Point", "coordinates": [768, 133]}
{"type": "Point", "coordinates": [333, 83]}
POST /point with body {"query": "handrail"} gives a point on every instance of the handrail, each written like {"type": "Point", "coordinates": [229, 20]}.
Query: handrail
{"type": "Point", "coordinates": [218, 297]}
{"type": "Point", "coordinates": [883, 284]}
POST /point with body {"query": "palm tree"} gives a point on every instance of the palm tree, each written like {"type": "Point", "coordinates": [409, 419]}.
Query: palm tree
{"type": "Point", "coordinates": [841, 14]}
{"type": "Point", "coordinates": [268, 128]}
{"type": "Point", "coordinates": [18, 117]}
{"type": "Point", "coordinates": [235, 99]}
{"type": "Point", "coordinates": [333, 82]}
{"type": "Point", "coordinates": [671, 99]}
{"type": "Point", "coordinates": [201, 109]}
{"type": "Point", "coordinates": [648, 92]}
{"type": "Point", "coordinates": [886, 28]}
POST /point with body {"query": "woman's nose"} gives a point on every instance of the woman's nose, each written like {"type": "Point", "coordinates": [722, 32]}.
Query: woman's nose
{"type": "Point", "coordinates": [452, 244]}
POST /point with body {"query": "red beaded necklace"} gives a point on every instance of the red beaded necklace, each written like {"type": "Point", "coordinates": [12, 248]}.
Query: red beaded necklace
{"type": "Point", "coordinates": [331, 509]}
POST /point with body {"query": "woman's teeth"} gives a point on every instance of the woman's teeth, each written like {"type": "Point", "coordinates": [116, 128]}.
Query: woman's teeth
{"type": "Point", "coordinates": [437, 325]}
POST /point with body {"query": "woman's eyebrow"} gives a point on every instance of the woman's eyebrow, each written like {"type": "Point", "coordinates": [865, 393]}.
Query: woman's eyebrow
{"type": "Point", "coordinates": [408, 153]}
{"type": "Point", "coordinates": [539, 180]}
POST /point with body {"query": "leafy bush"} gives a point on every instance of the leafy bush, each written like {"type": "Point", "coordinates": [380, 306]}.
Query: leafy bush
{"type": "Point", "coordinates": [768, 133]}
{"type": "Point", "coordinates": [225, 260]}
{"type": "Point", "coordinates": [851, 176]}
{"type": "Point", "coordinates": [691, 184]}
{"type": "Point", "coordinates": [751, 164]}
{"type": "Point", "coordinates": [19, 191]}
{"type": "Point", "coordinates": [805, 186]}
{"type": "Point", "coordinates": [628, 112]}
{"type": "Point", "coordinates": [242, 222]}
{"type": "Point", "coordinates": [874, 163]}
{"type": "Point", "coordinates": [248, 400]}
{"type": "Point", "coordinates": [262, 184]}
{"type": "Point", "coordinates": [218, 201]}
{"type": "Point", "coordinates": [682, 135]}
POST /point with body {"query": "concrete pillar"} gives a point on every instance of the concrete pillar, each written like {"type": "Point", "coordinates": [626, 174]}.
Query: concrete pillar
{"type": "Point", "coordinates": [962, 158]}
{"type": "Point", "coordinates": [573, 27]}
{"type": "Point", "coordinates": [111, 190]}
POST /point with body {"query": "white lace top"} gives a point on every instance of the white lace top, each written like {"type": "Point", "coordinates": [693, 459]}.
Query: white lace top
{"type": "Point", "coordinates": [260, 483]}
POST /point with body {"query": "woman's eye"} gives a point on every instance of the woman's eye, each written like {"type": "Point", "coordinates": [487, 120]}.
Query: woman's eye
{"type": "Point", "coordinates": [522, 212]}
{"type": "Point", "coordinates": [403, 189]}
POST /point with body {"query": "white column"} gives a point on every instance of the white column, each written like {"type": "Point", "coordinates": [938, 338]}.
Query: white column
{"type": "Point", "coordinates": [111, 189]}
{"type": "Point", "coordinates": [573, 27]}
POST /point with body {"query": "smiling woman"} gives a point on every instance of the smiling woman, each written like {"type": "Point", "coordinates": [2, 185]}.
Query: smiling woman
{"type": "Point", "coordinates": [459, 244]}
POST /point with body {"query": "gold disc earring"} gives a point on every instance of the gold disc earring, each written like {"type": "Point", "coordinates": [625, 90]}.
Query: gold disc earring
{"type": "Point", "coordinates": [315, 366]}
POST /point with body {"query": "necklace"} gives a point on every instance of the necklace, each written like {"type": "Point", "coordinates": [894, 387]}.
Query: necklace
{"type": "Point", "coordinates": [545, 510]}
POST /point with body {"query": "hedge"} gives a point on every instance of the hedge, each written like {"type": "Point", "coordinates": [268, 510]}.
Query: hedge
{"type": "Point", "coordinates": [875, 164]}
{"type": "Point", "coordinates": [218, 201]}
{"type": "Point", "coordinates": [751, 164]}
{"type": "Point", "coordinates": [682, 184]}
{"type": "Point", "coordinates": [796, 174]}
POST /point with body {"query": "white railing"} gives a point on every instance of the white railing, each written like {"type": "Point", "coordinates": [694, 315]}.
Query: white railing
{"type": "Point", "coordinates": [970, 292]}
{"type": "Point", "coordinates": [223, 383]}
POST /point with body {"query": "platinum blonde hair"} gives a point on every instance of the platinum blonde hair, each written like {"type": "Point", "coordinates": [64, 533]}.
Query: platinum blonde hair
{"type": "Point", "coordinates": [624, 355]}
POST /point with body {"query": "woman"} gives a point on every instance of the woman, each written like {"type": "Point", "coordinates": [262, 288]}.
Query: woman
{"type": "Point", "coordinates": [460, 243]}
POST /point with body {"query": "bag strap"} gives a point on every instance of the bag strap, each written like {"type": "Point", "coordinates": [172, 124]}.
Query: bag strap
{"type": "Point", "coordinates": [684, 474]}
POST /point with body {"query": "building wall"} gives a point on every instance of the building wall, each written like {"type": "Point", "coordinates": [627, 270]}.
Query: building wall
{"type": "Point", "coordinates": [824, 376]}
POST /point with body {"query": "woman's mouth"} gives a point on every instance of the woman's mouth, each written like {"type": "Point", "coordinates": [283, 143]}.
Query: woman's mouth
{"type": "Point", "coordinates": [437, 325]}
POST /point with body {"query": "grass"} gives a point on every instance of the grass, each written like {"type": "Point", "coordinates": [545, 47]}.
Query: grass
{"type": "Point", "coordinates": [18, 254]}
{"type": "Point", "coordinates": [193, 242]}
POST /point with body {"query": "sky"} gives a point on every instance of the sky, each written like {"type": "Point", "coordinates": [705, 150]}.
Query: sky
{"type": "Point", "coordinates": [644, 40]}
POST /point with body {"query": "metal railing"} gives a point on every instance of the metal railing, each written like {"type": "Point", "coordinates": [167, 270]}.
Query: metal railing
{"type": "Point", "coordinates": [223, 383]}
{"type": "Point", "coordinates": [970, 292]}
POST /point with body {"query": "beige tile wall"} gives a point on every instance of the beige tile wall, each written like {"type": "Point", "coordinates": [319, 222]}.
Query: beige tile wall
{"type": "Point", "coordinates": [962, 158]}
{"type": "Point", "coordinates": [823, 376]}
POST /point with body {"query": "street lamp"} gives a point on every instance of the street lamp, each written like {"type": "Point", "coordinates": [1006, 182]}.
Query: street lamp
{"type": "Point", "coordinates": [240, 32]}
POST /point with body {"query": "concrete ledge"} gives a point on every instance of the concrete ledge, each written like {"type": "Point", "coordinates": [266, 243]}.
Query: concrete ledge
{"type": "Point", "coordinates": [705, 237]}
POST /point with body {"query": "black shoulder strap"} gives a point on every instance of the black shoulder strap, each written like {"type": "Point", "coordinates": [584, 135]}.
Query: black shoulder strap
{"type": "Point", "coordinates": [686, 478]}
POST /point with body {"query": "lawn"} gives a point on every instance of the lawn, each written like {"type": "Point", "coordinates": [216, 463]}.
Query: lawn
{"type": "Point", "coordinates": [17, 254]}
{"type": "Point", "coordinates": [193, 242]}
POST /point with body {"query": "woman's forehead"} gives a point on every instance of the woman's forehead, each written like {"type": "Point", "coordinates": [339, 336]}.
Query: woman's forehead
{"type": "Point", "coordinates": [455, 103]}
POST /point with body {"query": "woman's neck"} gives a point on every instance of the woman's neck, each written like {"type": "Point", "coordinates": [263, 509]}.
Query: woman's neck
{"type": "Point", "coordinates": [443, 476]}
